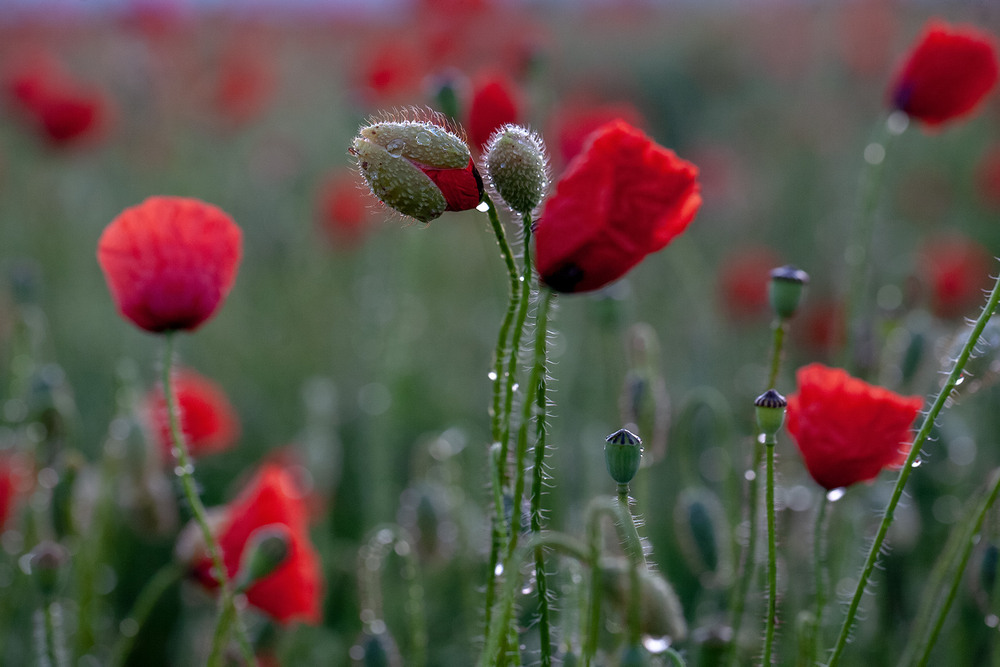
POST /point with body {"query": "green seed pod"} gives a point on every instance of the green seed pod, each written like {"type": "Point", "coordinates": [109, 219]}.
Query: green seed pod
{"type": "Point", "coordinates": [785, 289]}
{"type": "Point", "coordinates": [266, 549]}
{"type": "Point", "coordinates": [660, 610]}
{"type": "Point", "coordinates": [517, 167]}
{"type": "Point", "coordinates": [623, 453]}
{"type": "Point", "coordinates": [417, 167]}
{"type": "Point", "coordinates": [770, 412]}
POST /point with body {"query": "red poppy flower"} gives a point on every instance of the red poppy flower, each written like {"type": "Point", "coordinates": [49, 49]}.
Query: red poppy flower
{"type": "Point", "coordinates": [494, 104]}
{"type": "Point", "coordinates": [821, 327]}
{"type": "Point", "coordinates": [71, 114]}
{"type": "Point", "coordinates": [245, 85]}
{"type": "Point", "coordinates": [573, 124]}
{"type": "Point", "coordinates": [956, 270]}
{"type": "Point", "coordinates": [343, 209]}
{"type": "Point", "coordinates": [170, 262]}
{"type": "Point", "coordinates": [846, 429]}
{"type": "Point", "coordinates": [946, 75]}
{"type": "Point", "coordinates": [207, 418]}
{"type": "Point", "coordinates": [621, 199]}
{"type": "Point", "coordinates": [743, 282]}
{"type": "Point", "coordinates": [293, 591]}
{"type": "Point", "coordinates": [14, 480]}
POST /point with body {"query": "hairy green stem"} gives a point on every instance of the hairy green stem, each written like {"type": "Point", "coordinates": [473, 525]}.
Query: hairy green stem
{"type": "Point", "coordinates": [228, 614]}
{"type": "Point", "coordinates": [954, 557]}
{"type": "Point", "coordinates": [772, 556]}
{"type": "Point", "coordinates": [497, 631]}
{"type": "Point", "coordinates": [538, 479]}
{"type": "Point", "coordinates": [634, 606]}
{"type": "Point", "coordinates": [820, 572]}
{"type": "Point", "coordinates": [904, 473]}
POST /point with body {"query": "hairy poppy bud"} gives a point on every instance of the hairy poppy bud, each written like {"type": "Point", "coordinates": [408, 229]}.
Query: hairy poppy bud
{"type": "Point", "coordinates": [517, 167]}
{"type": "Point", "coordinates": [418, 168]}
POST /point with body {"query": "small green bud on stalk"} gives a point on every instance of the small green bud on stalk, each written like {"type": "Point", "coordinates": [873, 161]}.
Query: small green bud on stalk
{"type": "Point", "coordinates": [770, 412]}
{"type": "Point", "coordinates": [267, 548]}
{"type": "Point", "coordinates": [517, 167]}
{"type": "Point", "coordinates": [623, 453]}
{"type": "Point", "coordinates": [785, 290]}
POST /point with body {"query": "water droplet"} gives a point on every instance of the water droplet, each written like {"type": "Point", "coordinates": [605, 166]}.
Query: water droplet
{"type": "Point", "coordinates": [835, 494]}
{"type": "Point", "coordinates": [498, 570]}
{"type": "Point", "coordinates": [916, 464]}
{"type": "Point", "coordinates": [992, 621]}
{"type": "Point", "coordinates": [395, 147]}
{"type": "Point", "coordinates": [179, 471]}
{"type": "Point", "coordinates": [483, 207]}
{"type": "Point", "coordinates": [749, 475]}
{"type": "Point", "coordinates": [423, 138]}
{"type": "Point", "coordinates": [656, 644]}
{"type": "Point", "coordinates": [527, 590]}
{"type": "Point", "coordinates": [492, 375]}
{"type": "Point", "coordinates": [514, 388]}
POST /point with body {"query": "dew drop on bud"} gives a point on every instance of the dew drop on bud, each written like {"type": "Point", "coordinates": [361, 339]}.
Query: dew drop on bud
{"type": "Point", "coordinates": [423, 138]}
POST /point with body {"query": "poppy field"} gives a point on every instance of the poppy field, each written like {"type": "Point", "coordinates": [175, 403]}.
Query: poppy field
{"type": "Point", "coordinates": [485, 333]}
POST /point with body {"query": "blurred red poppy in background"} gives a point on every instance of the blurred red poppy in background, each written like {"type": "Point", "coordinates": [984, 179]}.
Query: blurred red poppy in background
{"type": "Point", "coordinates": [15, 480]}
{"type": "Point", "coordinates": [207, 418]}
{"type": "Point", "coordinates": [744, 276]}
{"type": "Point", "coordinates": [170, 262]}
{"type": "Point", "coordinates": [846, 429]}
{"type": "Point", "coordinates": [572, 124]}
{"type": "Point", "coordinates": [494, 104]}
{"type": "Point", "coordinates": [343, 208]}
{"type": "Point", "coordinates": [293, 591]}
{"type": "Point", "coordinates": [621, 199]}
{"type": "Point", "coordinates": [246, 83]}
{"type": "Point", "coordinates": [946, 75]}
{"type": "Point", "coordinates": [956, 271]}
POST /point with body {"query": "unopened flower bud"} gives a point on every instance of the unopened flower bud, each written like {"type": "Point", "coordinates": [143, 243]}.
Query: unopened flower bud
{"type": "Point", "coordinates": [623, 453]}
{"type": "Point", "coordinates": [703, 535]}
{"type": "Point", "coordinates": [267, 548]}
{"type": "Point", "coordinates": [418, 168]}
{"type": "Point", "coordinates": [770, 412]}
{"type": "Point", "coordinates": [517, 167]}
{"type": "Point", "coordinates": [785, 289]}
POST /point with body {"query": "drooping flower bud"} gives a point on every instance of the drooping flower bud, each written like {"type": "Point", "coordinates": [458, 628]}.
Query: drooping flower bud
{"type": "Point", "coordinates": [419, 168]}
{"type": "Point", "coordinates": [267, 548]}
{"type": "Point", "coordinates": [770, 412]}
{"type": "Point", "coordinates": [517, 167]}
{"type": "Point", "coordinates": [702, 533]}
{"type": "Point", "coordinates": [623, 453]}
{"type": "Point", "coordinates": [785, 290]}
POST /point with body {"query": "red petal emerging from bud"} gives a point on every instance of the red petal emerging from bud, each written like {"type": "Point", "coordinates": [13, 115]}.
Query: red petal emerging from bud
{"type": "Point", "coordinates": [462, 188]}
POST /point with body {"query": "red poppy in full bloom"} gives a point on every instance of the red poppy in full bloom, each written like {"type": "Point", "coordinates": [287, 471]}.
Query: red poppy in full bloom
{"type": "Point", "coordinates": [207, 418]}
{"type": "Point", "coordinates": [622, 198]}
{"type": "Point", "coordinates": [494, 104]}
{"type": "Point", "coordinates": [846, 429]}
{"type": "Point", "coordinates": [946, 75]}
{"type": "Point", "coordinates": [293, 591]}
{"type": "Point", "coordinates": [170, 262]}
{"type": "Point", "coordinates": [956, 270]}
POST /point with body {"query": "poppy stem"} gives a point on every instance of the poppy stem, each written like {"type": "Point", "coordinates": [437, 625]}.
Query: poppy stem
{"type": "Point", "coordinates": [505, 351]}
{"type": "Point", "coordinates": [772, 555]}
{"type": "Point", "coordinates": [632, 536]}
{"type": "Point", "coordinates": [940, 401]}
{"type": "Point", "coordinates": [538, 474]}
{"type": "Point", "coordinates": [185, 472]}
{"type": "Point", "coordinates": [955, 557]}
{"type": "Point", "coordinates": [749, 563]}
{"type": "Point", "coordinates": [858, 253]}
{"type": "Point", "coordinates": [821, 573]}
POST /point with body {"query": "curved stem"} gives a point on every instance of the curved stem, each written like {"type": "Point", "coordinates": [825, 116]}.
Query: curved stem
{"type": "Point", "coordinates": [185, 471]}
{"type": "Point", "coordinates": [772, 557]}
{"type": "Point", "coordinates": [904, 474]}
{"type": "Point", "coordinates": [502, 349]}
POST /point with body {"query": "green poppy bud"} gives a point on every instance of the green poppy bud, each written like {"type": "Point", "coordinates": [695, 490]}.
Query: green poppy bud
{"type": "Point", "coordinates": [267, 548]}
{"type": "Point", "coordinates": [770, 412]}
{"type": "Point", "coordinates": [785, 289]}
{"type": "Point", "coordinates": [517, 167]}
{"type": "Point", "coordinates": [623, 453]}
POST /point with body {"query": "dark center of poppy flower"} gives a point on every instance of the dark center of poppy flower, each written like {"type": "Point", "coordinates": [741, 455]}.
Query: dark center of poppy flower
{"type": "Point", "coordinates": [565, 278]}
